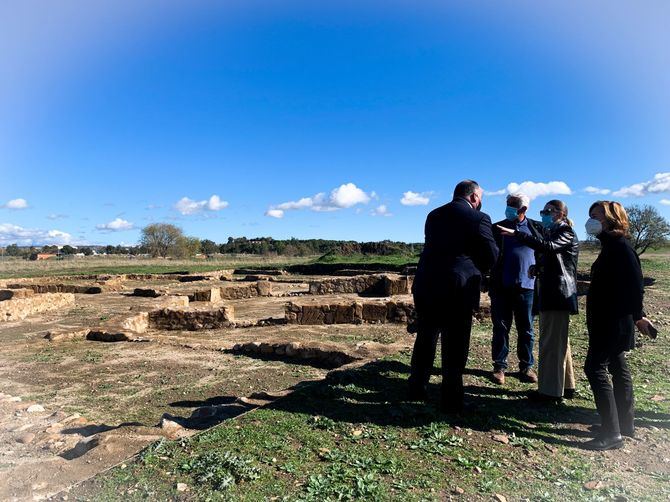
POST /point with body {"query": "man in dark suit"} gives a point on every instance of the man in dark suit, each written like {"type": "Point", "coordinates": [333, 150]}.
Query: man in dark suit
{"type": "Point", "coordinates": [459, 247]}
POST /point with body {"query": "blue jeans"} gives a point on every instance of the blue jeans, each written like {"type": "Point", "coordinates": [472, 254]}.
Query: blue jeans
{"type": "Point", "coordinates": [508, 303]}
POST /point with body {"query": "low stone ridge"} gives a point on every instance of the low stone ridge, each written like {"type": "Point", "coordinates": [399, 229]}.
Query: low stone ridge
{"type": "Point", "coordinates": [58, 288]}
{"type": "Point", "coordinates": [347, 312]}
{"type": "Point", "coordinates": [9, 294]}
{"type": "Point", "coordinates": [192, 319]}
{"type": "Point", "coordinates": [379, 285]}
{"type": "Point", "coordinates": [20, 308]}
{"type": "Point", "coordinates": [330, 356]}
{"type": "Point", "coordinates": [207, 295]}
{"type": "Point", "coordinates": [259, 271]}
{"type": "Point", "coordinates": [238, 291]}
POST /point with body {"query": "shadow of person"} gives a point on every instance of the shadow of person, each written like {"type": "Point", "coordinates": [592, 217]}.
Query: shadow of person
{"type": "Point", "coordinates": [375, 393]}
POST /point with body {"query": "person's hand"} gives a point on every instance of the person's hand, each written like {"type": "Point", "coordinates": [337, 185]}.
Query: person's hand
{"type": "Point", "coordinates": [505, 230]}
{"type": "Point", "coordinates": [646, 327]}
{"type": "Point", "coordinates": [532, 271]}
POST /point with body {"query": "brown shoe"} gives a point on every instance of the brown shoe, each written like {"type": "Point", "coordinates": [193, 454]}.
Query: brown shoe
{"type": "Point", "coordinates": [528, 375]}
{"type": "Point", "coordinates": [498, 377]}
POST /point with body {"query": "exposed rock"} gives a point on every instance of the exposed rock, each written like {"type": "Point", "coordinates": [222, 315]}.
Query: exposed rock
{"type": "Point", "coordinates": [26, 438]}
{"type": "Point", "coordinates": [35, 408]}
{"type": "Point", "coordinates": [58, 288]}
{"type": "Point", "coordinates": [20, 308]}
{"type": "Point", "coordinates": [207, 295]}
{"type": "Point", "coordinates": [343, 312]}
{"type": "Point", "coordinates": [192, 319]}
{"type": "Point", "coordinates": [66, 334]}
{"type": "Point", "coordinates": [8, 294]}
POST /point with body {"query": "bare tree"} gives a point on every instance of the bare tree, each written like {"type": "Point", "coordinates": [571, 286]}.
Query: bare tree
{"type": "Point", "coordinates": [648, 228]}
{"type": "Point", "coordinates": [161, 239]}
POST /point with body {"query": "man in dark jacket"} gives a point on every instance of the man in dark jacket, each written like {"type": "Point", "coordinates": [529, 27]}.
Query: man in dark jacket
{"type": "Point", "coordinates": [459, 247]}
{"type": "Point", "coordinates": [512, 289]}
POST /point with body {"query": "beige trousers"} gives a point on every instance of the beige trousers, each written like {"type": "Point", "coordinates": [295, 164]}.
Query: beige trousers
{"type": "Point", "coordinates": [554, 369]}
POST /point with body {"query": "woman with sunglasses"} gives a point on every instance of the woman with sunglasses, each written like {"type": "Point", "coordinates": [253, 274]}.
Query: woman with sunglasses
{"type": "Point", "coordinates": [613, 310]}
{"type": "Point", "coordinates": [557, 253]}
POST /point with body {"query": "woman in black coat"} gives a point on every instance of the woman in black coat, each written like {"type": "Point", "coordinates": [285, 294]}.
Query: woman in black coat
{"type": "Point", "coordinates": [613, 310]}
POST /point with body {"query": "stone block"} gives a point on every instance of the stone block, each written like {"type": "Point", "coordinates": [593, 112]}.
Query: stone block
{"type": "Point", "coordinates": [20, 308]}
{"type": "Point", "coordinates": [191, 319]}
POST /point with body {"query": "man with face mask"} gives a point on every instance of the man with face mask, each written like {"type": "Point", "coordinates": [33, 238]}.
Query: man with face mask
{"type": "Point", "coordinates": [459, 247]}
{"type": "Point", "coordinates": [512, 289]}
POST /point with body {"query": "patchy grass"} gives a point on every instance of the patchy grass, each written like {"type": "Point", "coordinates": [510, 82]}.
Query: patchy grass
{"type": "Point", "coordinates": [358, 259]}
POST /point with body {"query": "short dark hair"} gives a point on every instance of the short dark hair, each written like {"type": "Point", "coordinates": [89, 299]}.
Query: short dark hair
{"type": "Point", "coordinates": [465, 188]}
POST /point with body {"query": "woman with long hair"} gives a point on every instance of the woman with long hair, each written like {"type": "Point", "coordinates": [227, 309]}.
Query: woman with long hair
{"type": "Point", "coordinates": [557, 253]}
{"type": "Point", "coordinates": [613, 310]}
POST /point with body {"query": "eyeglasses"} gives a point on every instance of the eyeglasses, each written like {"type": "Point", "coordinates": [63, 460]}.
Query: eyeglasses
{"type": "Point", "coordinates": [547, 212]}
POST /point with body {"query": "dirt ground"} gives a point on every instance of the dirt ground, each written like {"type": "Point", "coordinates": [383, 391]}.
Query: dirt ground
{"type": "Point", "coordinates": [72, 408]}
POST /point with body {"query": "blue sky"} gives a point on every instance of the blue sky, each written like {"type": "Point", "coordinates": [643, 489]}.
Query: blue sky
{"type": "Point", "coordinates": [343, 120]}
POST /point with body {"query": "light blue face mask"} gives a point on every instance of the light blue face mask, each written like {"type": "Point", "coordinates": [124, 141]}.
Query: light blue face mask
{"type": "Point", "coordinates": [511, 213]}
{"type": "Point", "coordinates": [547, 220]}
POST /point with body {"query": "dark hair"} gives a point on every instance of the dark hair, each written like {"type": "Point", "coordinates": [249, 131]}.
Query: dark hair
{"type": "Point", "coordinates": [465, 188]}
{"type": "Point", "coordinates": [562, 207]}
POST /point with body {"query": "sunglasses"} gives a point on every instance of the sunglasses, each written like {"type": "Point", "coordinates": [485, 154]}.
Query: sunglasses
{"type": "Point", "coordinates": [547, 212]}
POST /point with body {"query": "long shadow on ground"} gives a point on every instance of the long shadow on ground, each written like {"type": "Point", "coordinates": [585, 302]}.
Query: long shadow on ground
{"type": "Point", "coordinates": [375, 393]}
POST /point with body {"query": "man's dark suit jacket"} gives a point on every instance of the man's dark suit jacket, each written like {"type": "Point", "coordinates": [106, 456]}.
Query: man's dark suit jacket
{"type": "Point", "coordinates": [459, 248]}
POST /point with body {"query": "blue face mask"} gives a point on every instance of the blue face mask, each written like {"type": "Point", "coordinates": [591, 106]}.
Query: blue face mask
{"type": "Point", "coordinates": [511, 213]}
{"type": "Point", "coordinates": [547, 220]}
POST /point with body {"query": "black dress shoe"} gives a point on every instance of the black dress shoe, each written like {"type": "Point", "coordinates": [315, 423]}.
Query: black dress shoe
{"type": "Point", "coordinates": [602, 443]}
{"type": "Point", "coordinates": [569, 394]}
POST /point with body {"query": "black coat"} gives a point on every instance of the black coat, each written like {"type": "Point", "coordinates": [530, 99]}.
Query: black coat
{"type": "Point", "coordinates": [557, 251]}
{"type": "Point", "coordinates": [615, 297]}
{"type": "Point", "coordinates": [459, 247]}
{"type": "Point", "coordinates": [496, 281]}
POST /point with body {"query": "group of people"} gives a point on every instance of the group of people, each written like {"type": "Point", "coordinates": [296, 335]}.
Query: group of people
{"type": "Point", "coordinates": [533, 270]}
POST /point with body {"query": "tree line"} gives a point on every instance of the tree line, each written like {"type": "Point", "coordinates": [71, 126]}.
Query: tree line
{"type": "Point", "coordinates": [648, 228]}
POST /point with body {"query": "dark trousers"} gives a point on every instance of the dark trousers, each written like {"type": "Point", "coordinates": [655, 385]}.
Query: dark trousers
{"type": "Point", "coordinates": [614, 400]}
{"type": "Point", "coordinates": [453, 321]}
{"type": "Point", "coordinates": [507, 304]}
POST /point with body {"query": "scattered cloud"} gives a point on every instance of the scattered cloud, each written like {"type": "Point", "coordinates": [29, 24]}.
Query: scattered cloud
{"type": "Point", "coordinates": [342, 197]}
{"type": "Point", "coordinates": [659, 184]}
{"type": "Point", "coordinates": [534, 190]}
{"type": "Point", "coordinates": [665, 202]}
{"type": "Point", "coordinates": [55, 216]}
{"type": "Point", "coordinates": [381, 210]}
{"type": "Point", "coordinates": [188, 206]}
{"type": "Point", "coordinates": [502, 191]}
{"type": "Point", "coordinates": [116, 225]}
{"type": "Point", "coordinates": [415, 198]}
{"type": "Point", "coordinates": [14, 234]}
{"type": "Point", "coordinates": [597, 191]}
{"type": "Point", "coordinates": [16, 204]}
{"type": "Point", "coordinates": [275, 213]}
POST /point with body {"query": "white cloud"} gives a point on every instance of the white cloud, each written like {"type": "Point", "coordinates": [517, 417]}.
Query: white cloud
{"type": "Point", "coordinates": [348, 195]}
{"type": "Point", "coordinates": [659, 184]}
{"type": "Point", "coordinates": [665, 202]}
{"type": "Point", "coordinates": [275, 213]}
{"type": "Point", "coordinates": [216, 204]}
{"type": "Point", "coordinates": [16, 204]}
{"type": "Point", "coordinates": [381, 210]}
{"type": "Point", "coordinates": [14, 234]}
{"type": "Point", "coordinates": [597, 191]}
{"type": "Point", "coordinates": [342, 197]}
{"type": "Point", "coordinates": [415, 199]}
{"type": "Point", "coordinates": [188, 206]}
{"type": "Point", "coordinates": [502, 191]}
{"type": "Point", "coordinates": [116, 225]}
{"type": "Point", "coordinates": [534, 190]}
{"type": "Point", "coordinates": [56, 216]}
